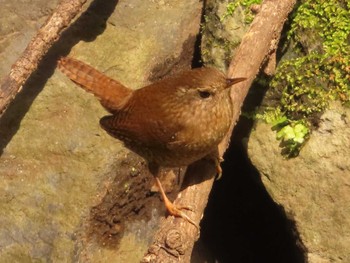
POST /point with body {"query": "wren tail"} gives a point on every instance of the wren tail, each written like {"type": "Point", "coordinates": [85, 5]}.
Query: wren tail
{"type": "Point", "coordinates": [111, 93]}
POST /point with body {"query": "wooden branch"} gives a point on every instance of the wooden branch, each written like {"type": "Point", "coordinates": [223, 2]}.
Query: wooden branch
{"type": "Point", "coordinates": [175, 239]}
{"type": "Point", "coordinates": [36, 49]}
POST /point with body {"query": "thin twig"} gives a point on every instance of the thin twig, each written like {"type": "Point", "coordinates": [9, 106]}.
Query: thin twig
{"type": "Point", "coordinates": [65, 11]}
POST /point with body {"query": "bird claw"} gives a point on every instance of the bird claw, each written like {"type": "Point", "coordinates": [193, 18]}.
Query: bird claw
{"type": "Point", "coordinates": [218, 167]}
{"type": "Point", "coordinates": [174, 209]}
{"type": "Point", "coordinates": [188, 208]}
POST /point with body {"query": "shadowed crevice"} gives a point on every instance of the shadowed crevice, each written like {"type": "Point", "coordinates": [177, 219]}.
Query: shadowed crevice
{"type": "Point", "coordinates": [242, 223]}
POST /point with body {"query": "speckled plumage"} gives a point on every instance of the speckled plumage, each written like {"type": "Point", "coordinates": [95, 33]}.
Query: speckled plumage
{"type": "Point", "coordinates": [168, 123]}
{"type": "Point", "coordinates": [172, 122]}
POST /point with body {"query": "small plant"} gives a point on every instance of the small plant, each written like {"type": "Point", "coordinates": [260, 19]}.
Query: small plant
{"type": "Point", "coordinates": [318, 73]}
{"type": "Point", "coordinates": [293, 137]}
{"type": "Point", "coordinates": [292, 134]}
{"type": "Point", "coordinates": [274, 117]}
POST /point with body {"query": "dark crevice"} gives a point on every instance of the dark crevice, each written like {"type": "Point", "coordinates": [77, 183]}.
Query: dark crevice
{"type": "Point", "coordinates": [242, 223]}
{"type": "Point", "coordinates": [197, 53]}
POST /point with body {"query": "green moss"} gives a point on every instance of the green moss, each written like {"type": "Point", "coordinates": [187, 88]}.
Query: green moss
{"type": "Point", "coordinates": [304, 85]}
{"type": "Point", "coordinates": [329, 19]}
{"type": "Point", "coordinates": [225, 23]}
{"type": "Point", "coordinates": [274, 117]}
{"type": "Point", "coordinates": [308, 83]}
{"type": "Point", "coordinates": [245, 4]}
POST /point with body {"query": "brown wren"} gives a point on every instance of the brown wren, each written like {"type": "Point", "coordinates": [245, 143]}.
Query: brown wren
{"type": "Point", "coordinates": [172, 122]}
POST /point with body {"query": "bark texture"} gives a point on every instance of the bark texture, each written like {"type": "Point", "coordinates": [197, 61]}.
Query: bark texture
{"type": "Point", "coordinates": [175, 239]}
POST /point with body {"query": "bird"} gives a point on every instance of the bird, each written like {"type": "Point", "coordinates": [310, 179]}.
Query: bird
{"type": "Point", "coordinates": [172, 122]}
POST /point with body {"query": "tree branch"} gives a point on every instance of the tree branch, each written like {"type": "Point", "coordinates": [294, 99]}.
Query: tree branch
{"type": "Point", "coordinates": [36, 49]}
{"type": "Point", "coordinates": [175, 239]}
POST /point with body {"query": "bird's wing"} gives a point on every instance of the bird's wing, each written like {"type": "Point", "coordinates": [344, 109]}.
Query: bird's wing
{"type": "Point", "coordinates": [144, 122]}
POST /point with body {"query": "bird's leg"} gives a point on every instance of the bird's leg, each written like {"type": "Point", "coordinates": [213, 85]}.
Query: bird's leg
{"type": "Point", "coordinates": [172, 208]}
{"type": "Point", "coordinates": [217, 159]}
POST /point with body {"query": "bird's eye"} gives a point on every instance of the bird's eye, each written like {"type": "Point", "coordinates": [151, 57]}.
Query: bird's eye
{"type": "Point", "coordinates": [204, 94]}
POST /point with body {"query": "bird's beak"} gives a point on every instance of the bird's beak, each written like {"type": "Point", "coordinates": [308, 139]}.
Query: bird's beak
{"type": "Point", "coordinates": [233, 81]}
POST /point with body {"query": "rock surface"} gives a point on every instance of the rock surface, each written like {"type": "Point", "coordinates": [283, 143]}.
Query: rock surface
{"type": "Point", "coordinates": [70, 192]}
{"type": "Point", "coordinates": [313, 188]}
{"type": "Point", "coordinates": [222, 33]}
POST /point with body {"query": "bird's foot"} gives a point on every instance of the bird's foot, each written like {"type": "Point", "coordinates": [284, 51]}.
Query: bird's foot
{"type": "Point", "coordinates": [173, 209]}
{"type": "Point", "coordinates": [176, 210]}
